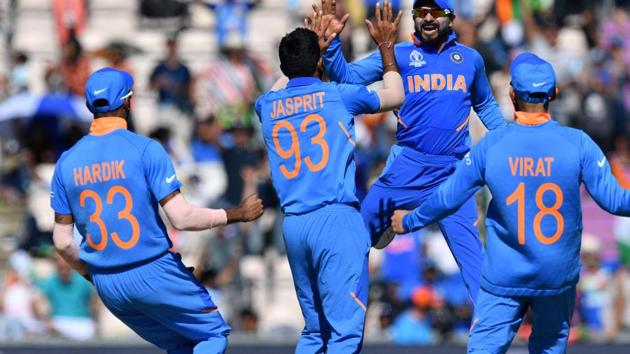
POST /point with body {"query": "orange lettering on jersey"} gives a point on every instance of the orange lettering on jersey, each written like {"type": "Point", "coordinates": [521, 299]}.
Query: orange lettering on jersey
{"type": "Point", "coordinates": [288, 103]}
{"type": "Point", "coordinates": [549, 160]}
{"type": "Point", "coordinates": [460, 84]}
{"type": "Point", "coordinates": [279, 109]}
{"type": "Point", "coordinates": [540, 168]}
{"type": "Point", "coordinates": [96, 172]}
{"type": "Point", "coordinates": [78, 177]}
{"type": "Point", "coordinates": [86, 175]}
{"type": "Point", "coordinates": [106, 171]}
{"type": "Point", "coordinates": [514, 162]}
{"type": "Point", "coordinates": [529, 166]}
{"type": "Point", "coordinates": [307, 102]}
{"type": "Point", "coordinates": [321, 99]}
{"type": "Point", "coordinates": [298, 103]}
{"type": "Point", "coordinates": [438, 82]}
{"type": "Point", "coordinates": [410, 83]}
{"type": "Point", "coordinates": [120, 173]}
{"type": "Point", "coordinates": [449, 82]}
{"type": "Point", "coordinates": [422, 82]}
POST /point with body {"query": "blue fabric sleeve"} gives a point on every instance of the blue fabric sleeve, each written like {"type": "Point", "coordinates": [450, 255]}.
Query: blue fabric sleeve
{"type": "Point", "coordinates": [258, 106]}
{"type": "Point", "coordinates": [159, 171]}
{"type": "Point", "coordinates": [359, 99]}
{"type": "Point", "coordinates": [361, 72]}
{"type": "Point", "coordinates": [453, 193]}
{"type": "Point", "coordinates": [58, 197]}
{"type": "Point", "coordinates": [482, 99]}
{"type": "Point", "coordinates": [600, 182]}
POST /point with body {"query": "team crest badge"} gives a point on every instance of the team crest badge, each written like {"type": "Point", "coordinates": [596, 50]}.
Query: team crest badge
{"type": "Point", "coordinates": [457, 57]}
{"type": "Point", "coordinates": [416, 59]}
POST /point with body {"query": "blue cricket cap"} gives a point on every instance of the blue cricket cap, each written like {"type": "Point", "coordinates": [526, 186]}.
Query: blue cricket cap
{"type": "Point", "coordinates": [443, 4]}
{"type": "Point", "coordinates": [533, 79]}
{"type": "Point", "coordinates": [107, 89]}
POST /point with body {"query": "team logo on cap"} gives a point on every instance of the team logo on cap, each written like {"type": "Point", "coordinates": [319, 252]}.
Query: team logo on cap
{"type": "Point", "coordinates": [457, 57]}
{"type": "Point", "coordinates": [416, 59]}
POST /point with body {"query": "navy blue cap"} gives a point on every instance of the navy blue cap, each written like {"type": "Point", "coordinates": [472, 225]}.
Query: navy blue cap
{"type": "Point", "coordinates": [533, 79]}
{"type": "Point", "coordinates": [443, 4]}
{"type": "Point", "coordinates": [107, 89]}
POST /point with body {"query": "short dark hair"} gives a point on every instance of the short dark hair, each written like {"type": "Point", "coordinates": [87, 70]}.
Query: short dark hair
{"type": "Point", "coordinates": [299, 53]}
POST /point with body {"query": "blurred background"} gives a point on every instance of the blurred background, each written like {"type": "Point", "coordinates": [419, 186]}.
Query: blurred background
{"type": "Point", "coordinates": [198, 67]}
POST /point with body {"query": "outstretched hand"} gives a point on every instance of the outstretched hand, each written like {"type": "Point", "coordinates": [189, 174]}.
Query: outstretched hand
{"type": "Point", "coordinates": [385, 31]}
{"type": "Point", "coordinates": [251, 208]}
{"type": "Point", "coordinates": [324, 22]}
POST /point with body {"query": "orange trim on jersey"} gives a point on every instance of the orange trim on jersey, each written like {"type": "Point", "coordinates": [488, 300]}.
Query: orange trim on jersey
{"type": "Point", "coordinates": [105, 125]}
{"type": "Point", "coordinates": [345, 131]}
{"type": "Point", "coordinates": [461, 126]}
{"type": "Point", "coordinates": [359, 302]}
{"type": "Point", "coordinates": [527, 118]}
{"type": "Point", "coordinates": [415, 40]}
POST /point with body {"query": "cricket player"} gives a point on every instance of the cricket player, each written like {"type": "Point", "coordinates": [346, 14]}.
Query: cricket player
{"type": "Point", "coordinates": [443, 79]}
{"type": "Point", "coordinates": [308, 129]}
{"type": "Point", "coordinates": [533, 168]}
{"type": "Point", "coordinates": [109, 185]}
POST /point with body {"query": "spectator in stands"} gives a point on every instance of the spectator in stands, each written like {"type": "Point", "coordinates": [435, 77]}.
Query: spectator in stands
{"type": "Point", "coordinates": [19, 76]}
{"type": "Point", "coordinates": [230, 83]}
{"type": "Point", "coordinates": [71, 72]}
{"type": "Point", "coordinates": [18, 301]}
{"type": "Point", "coordinates": [248, 320]}
{"type": "Point", "coordinates": [72, 302]}
{"type": "Point", "coordinates": [231, 19]}
{"type": "Point", "coordinates": [413, 327]}
{"type": "Point", "coordinates": [173, 81]}
{"type": "Point", "coordinates": [593, 289]}
{"type": "Point", "coordinates": [70, 18]}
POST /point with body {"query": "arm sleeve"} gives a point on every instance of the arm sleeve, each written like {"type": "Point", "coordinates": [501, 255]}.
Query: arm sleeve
{"type": "Point", "coordinates": [359, 99]}
{"type": "Point", "coordinates": [361, 72]}
{"type": "Point", "coordinates": [58, 197]}
{"type": "Point", "coordinates": [482, 99]}
{"type": "Point", "coordinates": [159, 171]}
{"type": "Point", "coordinates": [600, 182]}
{"type": "Point", "coordinates": [452, 194]}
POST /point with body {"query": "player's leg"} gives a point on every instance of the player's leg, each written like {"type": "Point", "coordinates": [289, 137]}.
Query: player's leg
{"type": "Point", "coordinates": [551, 323]}
{"type": "Point", "coordinates": [316, 331]}
{"type": "Point", "coordinates": [495, 322]}
{"type": "Point", "coordinates": [462, 237]}
{"type": "Point", "coordinates": [340, 254]}
{"type": "Point", "coordinates": [166, 291]}
{"type": "Point", "coordinates": [149, 329]}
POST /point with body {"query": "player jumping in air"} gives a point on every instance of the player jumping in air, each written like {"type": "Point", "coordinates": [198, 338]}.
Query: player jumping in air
{"type": "Point", "coordinates": [443, 79]}
{"type": "Point", "coordinates": [109, 185]}
{"type": "Point", "coordinates": [534, 168]}
{"type": "Point", "coordinates": [308, 128]}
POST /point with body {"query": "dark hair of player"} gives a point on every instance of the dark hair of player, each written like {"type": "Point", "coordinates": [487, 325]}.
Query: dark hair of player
{"type": "Point", "coordinates": [299, 53]}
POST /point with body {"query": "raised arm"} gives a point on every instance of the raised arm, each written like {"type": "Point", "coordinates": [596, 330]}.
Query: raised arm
{"type": "Point", "coordinates": [482, 99]}
{"type": "Point", "coordinates": [600, 182]}
{"type": "Point", "coordinates": [450, 196]}
{"type": "Point", "coordinates": [362, 72]}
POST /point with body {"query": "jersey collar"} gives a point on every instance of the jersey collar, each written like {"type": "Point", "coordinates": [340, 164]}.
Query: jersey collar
{"type": "Point", "coordinates": [417, 42]}
{"type": "Point", "coordinates": [527, 118]}
{"type": "Point", "coordinates": [303, 81]}
{"type": "Point", "coordinates": [105, 125]}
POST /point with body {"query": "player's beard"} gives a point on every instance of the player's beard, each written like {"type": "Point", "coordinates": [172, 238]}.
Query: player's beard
{"type": "Point", "coordinates": [443, 31]}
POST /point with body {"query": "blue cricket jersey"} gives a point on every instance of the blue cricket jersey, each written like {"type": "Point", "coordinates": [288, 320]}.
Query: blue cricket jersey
{"type": "Point", "coordinates": [111, 183]}
{"type": "Point", "coordinates": [308, 129]}
{"type": "Point", "coordinates": [534, 221]}
{"type": "Point", "coordinates": [440, 89]}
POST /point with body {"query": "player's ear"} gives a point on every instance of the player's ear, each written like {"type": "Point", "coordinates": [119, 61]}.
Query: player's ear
{"type": "Point", "coordinates": [554, 95]}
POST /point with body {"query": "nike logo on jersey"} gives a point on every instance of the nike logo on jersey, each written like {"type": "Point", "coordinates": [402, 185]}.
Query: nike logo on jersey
{"type": "Point", "coordinates": [538, 84]}
{"type": "Point", "coordinates": [100, 91]}
{"type": "Point", "coordinates": [170, 179]}
{"type": "Point", "coordinates": [602, 162]}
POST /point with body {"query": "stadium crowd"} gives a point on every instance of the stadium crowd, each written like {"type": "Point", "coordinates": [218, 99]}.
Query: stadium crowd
{"type": "Point", "coordinates": [205, 121]}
